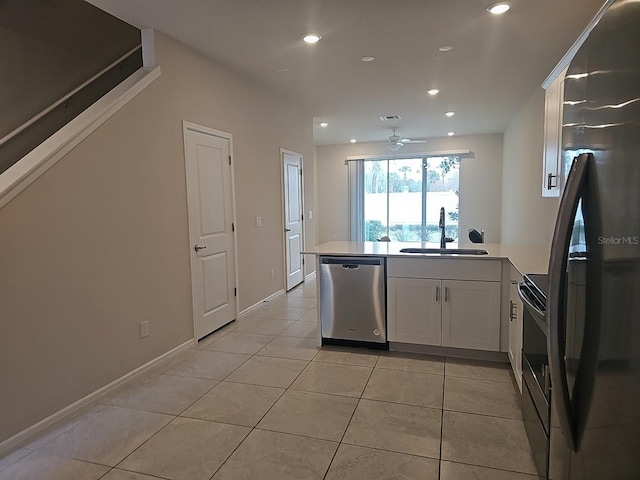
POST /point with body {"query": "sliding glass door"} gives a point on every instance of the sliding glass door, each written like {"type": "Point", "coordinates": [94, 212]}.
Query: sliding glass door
{"type": "Point", "coordinates": [402, 198]}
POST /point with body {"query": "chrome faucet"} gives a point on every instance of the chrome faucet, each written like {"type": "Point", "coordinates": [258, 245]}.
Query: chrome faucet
{"type": "Point", "coordinates": [443, 238]}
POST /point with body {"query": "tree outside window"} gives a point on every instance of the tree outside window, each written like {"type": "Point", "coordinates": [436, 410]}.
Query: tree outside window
{"type": "Point", "coordinates": [402, 198]}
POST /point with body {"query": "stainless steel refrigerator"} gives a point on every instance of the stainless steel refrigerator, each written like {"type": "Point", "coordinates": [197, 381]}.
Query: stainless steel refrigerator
{"type": "Point", "coordinates": [593, 308]}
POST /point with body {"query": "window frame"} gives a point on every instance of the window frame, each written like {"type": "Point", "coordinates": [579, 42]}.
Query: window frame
{"type": "Point", "coordinates": [356, 177]}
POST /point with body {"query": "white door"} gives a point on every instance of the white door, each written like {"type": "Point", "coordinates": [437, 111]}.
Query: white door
{"type": "Point", "coordinates": [210, 198]}
{"type": "Point", "coordinates": [293, 234]}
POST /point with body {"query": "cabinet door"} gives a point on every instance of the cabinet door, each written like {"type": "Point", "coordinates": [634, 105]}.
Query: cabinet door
{"type": "Point", "coordinates": [471, 314]}
{"type": "Point", "coordinates": [552, 137]}
{"type": "Point", "coordinates": [413, 310]}
{"type": "Point", "coordinates": [515, 332]}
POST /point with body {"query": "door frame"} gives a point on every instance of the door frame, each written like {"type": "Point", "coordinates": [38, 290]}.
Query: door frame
{"type": "Point", "coordinates": [186, 126]}
{"type": "Point", "coordinates": [284, 151]}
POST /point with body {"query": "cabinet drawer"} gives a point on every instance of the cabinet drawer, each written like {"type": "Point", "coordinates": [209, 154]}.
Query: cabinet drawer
{"type": "Point", "coordinates": [450, 268]}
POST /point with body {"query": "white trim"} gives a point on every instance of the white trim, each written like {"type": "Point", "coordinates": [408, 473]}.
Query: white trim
{"type": "Point", "coordinates": [148, 47]}
{"type": "Point", "coordinates": [217, 133]}
{"type": "Point", "coordinates": [310, 276]}
{"type": "Point", "coordinates": [566, 59]}
{"type": "Point", "coordinates": [466, 153]}
{"type": "Point", "coordinates": [37, 428]}
{"type": "Point", "coordinates": [28, 169]}
{"type": "Point", "coordinates": [250, 309]}
{"type": "Point", "coordinates": [284, 151]}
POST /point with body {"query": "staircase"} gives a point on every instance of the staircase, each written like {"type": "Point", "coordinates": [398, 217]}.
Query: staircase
{"type": "Point", "coordinates": [58, 57]}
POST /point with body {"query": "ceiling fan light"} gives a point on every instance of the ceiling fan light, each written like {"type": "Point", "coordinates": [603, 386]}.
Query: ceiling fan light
{"type": "Point", "coordinates": [394, 147]}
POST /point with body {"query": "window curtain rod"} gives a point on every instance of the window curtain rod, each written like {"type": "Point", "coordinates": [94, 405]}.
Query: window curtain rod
{"type": "Point", "coordinates": [440, 153]}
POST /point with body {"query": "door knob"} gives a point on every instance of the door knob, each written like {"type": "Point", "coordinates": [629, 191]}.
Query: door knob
{"type": "Point", "coordinates": [199, 247]}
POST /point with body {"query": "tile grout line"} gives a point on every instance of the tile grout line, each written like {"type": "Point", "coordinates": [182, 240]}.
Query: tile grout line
{"type": "Point", "coordinates": [265, 414]}
{"type": "Point", "coordinates": [350, 420]}
{"type": "Point", "coordinates": [444, 381]}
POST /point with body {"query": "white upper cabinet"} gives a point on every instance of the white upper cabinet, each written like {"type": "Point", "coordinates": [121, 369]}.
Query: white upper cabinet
{"type": "Point", "coordinates": [551, 170]}
{"type": "Point", "coordinates": [554, 97]}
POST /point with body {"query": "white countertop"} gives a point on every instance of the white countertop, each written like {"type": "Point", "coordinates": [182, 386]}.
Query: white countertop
{"type": "Point", "coordinates": [526, 258]}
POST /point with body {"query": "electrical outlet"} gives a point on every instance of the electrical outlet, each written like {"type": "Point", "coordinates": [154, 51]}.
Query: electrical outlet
{"type": "Point", "coordinates": [258, 221]}
{"type": "Point", "coordinates": [144, 329]}
{"type": "Point", "coordinates": [272, 274]}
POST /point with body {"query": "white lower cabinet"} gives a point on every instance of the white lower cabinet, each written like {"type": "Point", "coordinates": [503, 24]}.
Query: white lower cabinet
{"type": "Point", "coordinates": [515, 327]}
{"type": "Point", "coordinates": [471, 315]}
{"type": "Point", "coordinates": [414, 314]}
{"type": "Point", "coordinates": [442, 311]}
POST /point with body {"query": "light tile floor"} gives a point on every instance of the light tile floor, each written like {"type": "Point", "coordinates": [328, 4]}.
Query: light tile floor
{"type": "Point", "coordinates": [259, 400]}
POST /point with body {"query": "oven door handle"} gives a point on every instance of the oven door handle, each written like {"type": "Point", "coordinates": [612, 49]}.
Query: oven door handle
{"type": "Point", "coordinates": [557, 291]}
{"type": "Point", "coordinates": [525, 298]}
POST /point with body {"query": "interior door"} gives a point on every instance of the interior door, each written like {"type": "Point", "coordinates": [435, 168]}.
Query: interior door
{"type": "Point", "coordinates": [211, 229]}
{"type": "Point", "coordinates": [293, 208]}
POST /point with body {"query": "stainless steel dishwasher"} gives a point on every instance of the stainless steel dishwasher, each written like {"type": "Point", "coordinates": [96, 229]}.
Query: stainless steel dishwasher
{"type": "Point", "coordinates": [353, 299]}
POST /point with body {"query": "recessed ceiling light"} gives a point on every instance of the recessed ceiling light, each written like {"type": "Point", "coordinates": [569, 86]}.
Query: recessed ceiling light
{"type": "Point", "coordinates": [451, 134]}
{"type": "Point", "coordinates": [498, 8]}
{"type": "Point", "coordinates": [311, 37]}
{"type": "Point", "coordinates": [445, 48]}
{"type": "Point", "coordinates": [324, 124]}
{"type": "Point", "coordinates": [353, 140]}
{"type": "Point", "coordinates": [450, 114]}
{"type": "Point", "coordinates": [433, 91]}
{"type": "Point", "coordinates": [368, 58]}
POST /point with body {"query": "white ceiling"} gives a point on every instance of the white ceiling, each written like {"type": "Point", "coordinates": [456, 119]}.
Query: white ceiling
{"type": "Point", "coordinates": [494, 67]}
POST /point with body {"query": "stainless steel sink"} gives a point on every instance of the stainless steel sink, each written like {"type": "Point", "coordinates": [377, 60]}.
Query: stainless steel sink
{"type": "Point", "coordinates": [450, 251]}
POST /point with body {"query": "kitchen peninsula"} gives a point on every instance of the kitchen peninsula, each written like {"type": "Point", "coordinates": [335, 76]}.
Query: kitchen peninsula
{"type": "Point", "coordinates": [445, 303]}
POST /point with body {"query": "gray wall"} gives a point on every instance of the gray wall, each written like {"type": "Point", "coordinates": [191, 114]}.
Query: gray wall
{"type": "Point", "coordinates": [527, 217]}
{"type": "Point", "coordinates": [100, 242]}
{"type": "Point", "coordinates": [501, 186]}
{"type": "Point", "coordinates": [480, 183]}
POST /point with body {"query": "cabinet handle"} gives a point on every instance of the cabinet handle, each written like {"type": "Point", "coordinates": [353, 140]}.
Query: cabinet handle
{"type": "Point", "coordinates": [550, 182]}
{"type": "Point", "coordinates": [446, 294]}
{"type": "Point", "coordinates": [437, 294]}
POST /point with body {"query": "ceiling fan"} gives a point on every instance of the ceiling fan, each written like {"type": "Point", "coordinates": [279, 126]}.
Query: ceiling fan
{"type": "Point", "coordinates": [396, 142]}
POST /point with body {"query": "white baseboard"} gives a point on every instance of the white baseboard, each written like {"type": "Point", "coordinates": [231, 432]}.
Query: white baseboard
{"type": "Point", "coordinates": [248, 310]}
{"type": "Point", "coordinates": [35, 429]}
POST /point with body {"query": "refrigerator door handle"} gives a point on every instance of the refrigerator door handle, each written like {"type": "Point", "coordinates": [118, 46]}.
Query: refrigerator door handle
{"type": "Point", "coordinates": [557, 281]}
